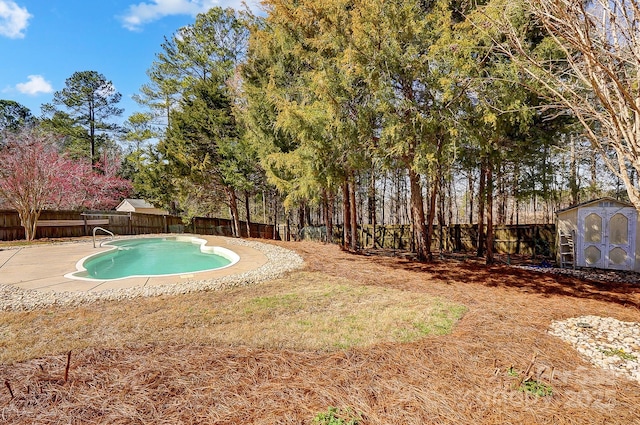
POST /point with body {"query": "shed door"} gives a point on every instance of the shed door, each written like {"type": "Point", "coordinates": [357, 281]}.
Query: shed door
{"type": "Point", "coordinates": [606, 237]}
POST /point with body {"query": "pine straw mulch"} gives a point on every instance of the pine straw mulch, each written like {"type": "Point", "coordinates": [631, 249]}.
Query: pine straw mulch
{"type": "Point", "coordinates": [459, 378]}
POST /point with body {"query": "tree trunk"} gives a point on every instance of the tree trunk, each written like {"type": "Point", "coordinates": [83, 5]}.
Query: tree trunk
{"type": "Point", "coordinates": [489, 238]}
{"type": "Point", "coordinates": [470, 197]}
{"type": "Point", "coordinates": [275, 217]}
{"type": "Point", "coordinates": [593, 186]}
{"type": "Point", "coordinates": [300, 219]}
{"type": "Point", "coordinates": [233, 209]}
{"type": "Point", "coordinates": [354, 213]}
{"type": "Point", "coordinates": [371, 198]}
{"type": "Point", "coordinates": [247, 210]}
{"type": "Point", "coordinates": [406, 213]}
{"type": "Point", "coordinates": [502, 197]}
{"type": "Point", "coordinates": [372, 206]}
{"type": "Point", "coordinates": [573, 173]}
{"type": "Point", "coordinates": [417, 216]}
{"type": "Point", "coordinates": [481, 199]}
{"type": "Point", "coordinates": [516, 195]}
{"type": "Point", "coordinates": [325, 213]}
{"type": "Point", "coordinates": [29, 220]}
{"type": "Point", "coordinates": [441, 216]}
{"type": "Point", "coordinates": [287, 227]}
{"type": "Point", "coordinates": [330, 206]}
{"type": "Point", "coordinates": [431, 215]}
{"type": "Point", "coordinates": [92, 135]}
{"type": "Point", "coordinates": [346, 214]}
{"type": "Point", "coordinates": [264, 207]}
{"type": "Point", "coordinates": [396, 210]}
{"type": "Point", "coordinates": [451, 196]}
{"type": "Point", "coordinates": [384, 198]}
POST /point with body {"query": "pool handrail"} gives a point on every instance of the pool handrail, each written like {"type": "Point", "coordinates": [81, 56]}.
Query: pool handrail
{"type": "Point", "coordinates": [104, 230]}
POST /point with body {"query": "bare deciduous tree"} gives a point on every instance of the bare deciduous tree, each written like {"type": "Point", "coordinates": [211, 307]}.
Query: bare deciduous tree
{"type": "Point", "coordinates": [597, 76]}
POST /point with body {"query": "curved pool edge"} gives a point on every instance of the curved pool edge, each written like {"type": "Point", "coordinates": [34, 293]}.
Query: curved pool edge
{"type": "Point", "coordinates": [27, 283]}
{"type": "Point", "coordinates": [82, 274]}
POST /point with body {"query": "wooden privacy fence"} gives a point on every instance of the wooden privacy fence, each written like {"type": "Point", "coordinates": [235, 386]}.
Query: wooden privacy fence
{"type": "Point", "coordinates": [529, 239]}
{"type": "Point", "coordinates": [525, 239]}
{"type": "Point", "coordinates": [64, 224]}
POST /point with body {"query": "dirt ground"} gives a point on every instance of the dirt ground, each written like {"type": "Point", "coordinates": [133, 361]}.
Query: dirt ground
{"type": "Point", "coordinates": [460, 378]}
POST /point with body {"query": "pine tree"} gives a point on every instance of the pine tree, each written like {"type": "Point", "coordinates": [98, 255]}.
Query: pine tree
{"type": "Point", "coordinates": [90, 101]}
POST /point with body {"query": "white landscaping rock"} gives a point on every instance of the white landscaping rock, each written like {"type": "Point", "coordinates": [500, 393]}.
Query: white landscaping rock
{"type": "Point", "coordinates": [606, 342]}
{"type": "Point", "coordinates": [280, 261]}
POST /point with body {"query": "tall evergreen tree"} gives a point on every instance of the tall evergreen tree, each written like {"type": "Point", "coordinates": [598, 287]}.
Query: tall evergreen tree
{"type": "Point", "coordinates": [507, 125]}
{"type": "Point", "coordinates": [191, 81]}
{"type": "Point", "coordinates": [394, 49]}
{"type": "Point", "coordinates": [13, 116]}
{"type": "Point", "coordinates": [89, 101]}
{"type": "Point", "coordinates": [202, 143]}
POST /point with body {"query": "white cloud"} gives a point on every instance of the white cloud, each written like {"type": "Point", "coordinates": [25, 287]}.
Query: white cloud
{"type": "Point", "coordinates": [36, 85]}
{"type": "Point", "coordinates": [142, 13]}
{"type": "Point", "coordinates": [13, 19]}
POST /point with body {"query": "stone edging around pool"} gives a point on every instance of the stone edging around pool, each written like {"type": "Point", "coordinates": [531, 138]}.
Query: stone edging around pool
{"type": "Point", "coordinates": [280, 261]}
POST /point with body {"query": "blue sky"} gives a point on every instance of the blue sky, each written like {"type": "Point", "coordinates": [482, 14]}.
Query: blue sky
{"type": "Point", "coordinates": [43, 42]}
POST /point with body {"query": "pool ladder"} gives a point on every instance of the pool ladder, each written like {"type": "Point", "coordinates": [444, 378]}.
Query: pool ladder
{"type": "Point", "coordinates": [104, 230]}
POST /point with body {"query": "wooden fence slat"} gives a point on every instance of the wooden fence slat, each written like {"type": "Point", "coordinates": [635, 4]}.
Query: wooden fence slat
{"type": "Point", "coordinates": [64, 223]}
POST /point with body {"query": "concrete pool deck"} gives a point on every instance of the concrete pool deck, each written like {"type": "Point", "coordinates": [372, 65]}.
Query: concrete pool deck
{"type": "Point", "coordinates": [42, 267]}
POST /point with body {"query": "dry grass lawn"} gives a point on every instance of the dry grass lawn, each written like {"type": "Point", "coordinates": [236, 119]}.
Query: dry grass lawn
{"type": "Point", "coordinates": [375, 335]}
{"type": "Point", "coordinates": [306, 311]}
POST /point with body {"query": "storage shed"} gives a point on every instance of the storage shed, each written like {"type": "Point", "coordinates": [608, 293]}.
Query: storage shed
{"type": "Point", "coordinates": [139, 206]}
{"type": "Point", "coordinates": [602, 233]}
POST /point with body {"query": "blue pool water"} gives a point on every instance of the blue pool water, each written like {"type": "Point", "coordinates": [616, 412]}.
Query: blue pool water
{"type": "Point", "coordinates": [151, 257]}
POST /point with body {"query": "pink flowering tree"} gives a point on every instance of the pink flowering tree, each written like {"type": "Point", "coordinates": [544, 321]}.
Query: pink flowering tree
{"type": "Point", "coordinates": [35, 176]}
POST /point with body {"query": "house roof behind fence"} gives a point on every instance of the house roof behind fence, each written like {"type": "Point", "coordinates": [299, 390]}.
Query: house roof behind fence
{"type": "Point", "coordinates": [136, 203]}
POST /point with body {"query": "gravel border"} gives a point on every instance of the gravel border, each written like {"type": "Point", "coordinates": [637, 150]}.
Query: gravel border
{"type": "Point", "coordinates": [587, 273]}
{"type": "Point", "coordinates": [280, 261]}
{"type": "Point", "coordinates": [606, 342]}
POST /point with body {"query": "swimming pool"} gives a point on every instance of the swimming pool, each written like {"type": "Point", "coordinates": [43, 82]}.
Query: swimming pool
{"type": "Point", "coordinates": [153, 257]}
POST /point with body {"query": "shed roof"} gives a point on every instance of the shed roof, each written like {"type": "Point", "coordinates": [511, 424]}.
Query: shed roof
{"type": "Point", "coordinates": [613, 201]}
{"type": "Point", "coordinates": [136, 203]}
